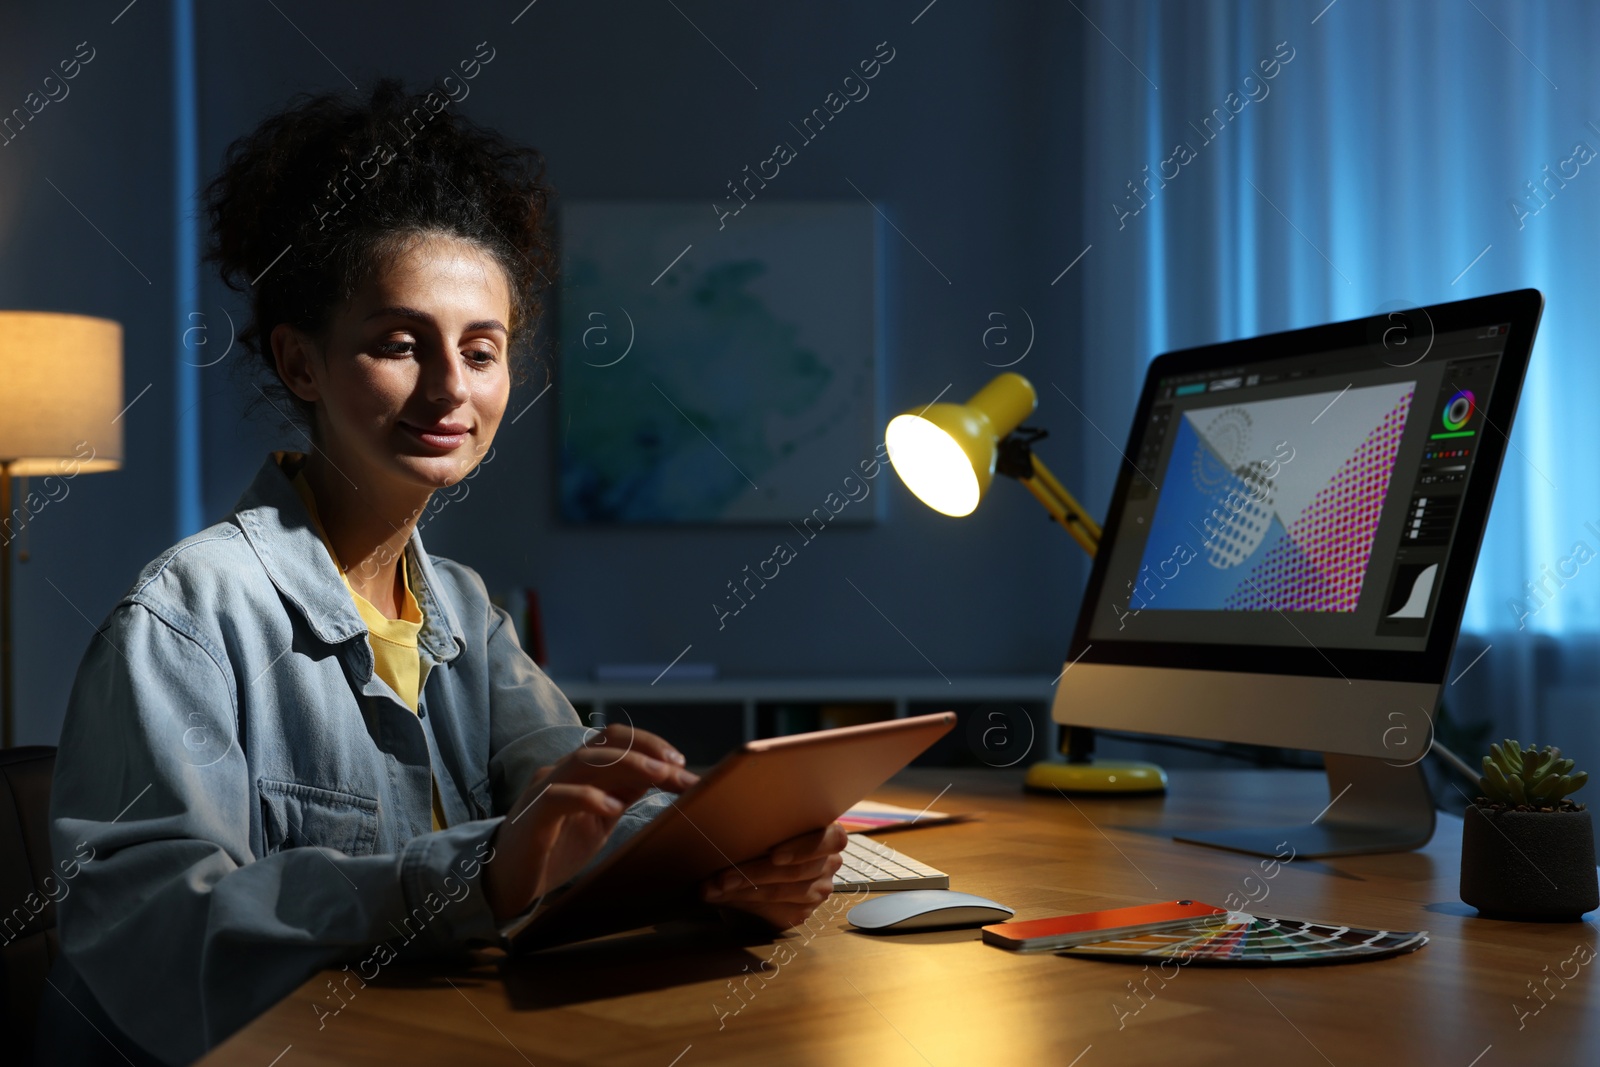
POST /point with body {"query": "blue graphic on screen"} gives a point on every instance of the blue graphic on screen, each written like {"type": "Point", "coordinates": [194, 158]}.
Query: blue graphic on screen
{"type": "Point", "coordinates": [1272, 505]}
{"type": "Point", "coordinates": [1191, 529]}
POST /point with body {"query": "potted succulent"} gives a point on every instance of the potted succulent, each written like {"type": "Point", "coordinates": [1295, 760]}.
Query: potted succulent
{"type": "Point", "coordinates": [1527, 851]}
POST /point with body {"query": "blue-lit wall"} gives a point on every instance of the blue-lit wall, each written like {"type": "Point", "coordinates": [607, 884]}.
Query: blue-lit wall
{"type": "Point", "coordinates": [88, 225]}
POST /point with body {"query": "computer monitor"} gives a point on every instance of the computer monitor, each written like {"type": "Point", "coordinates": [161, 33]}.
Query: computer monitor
{"type": "Point", "coordinates": [1288, 550]}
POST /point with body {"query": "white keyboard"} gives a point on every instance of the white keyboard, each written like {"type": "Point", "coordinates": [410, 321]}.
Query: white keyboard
{"type": "Point", "coordinates": [874, 866]}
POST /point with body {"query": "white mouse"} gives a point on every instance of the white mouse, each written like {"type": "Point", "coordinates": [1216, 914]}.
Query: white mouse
{"type": "Point", "coordinates": [922, 909]}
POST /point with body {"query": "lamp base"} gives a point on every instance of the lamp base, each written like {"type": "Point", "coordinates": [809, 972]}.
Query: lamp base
{"type": "Point", "coordinates": [1097, 776]}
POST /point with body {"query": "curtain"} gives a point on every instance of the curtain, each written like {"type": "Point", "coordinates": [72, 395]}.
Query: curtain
{"type": "Point", "coordinates": [1344, 160]}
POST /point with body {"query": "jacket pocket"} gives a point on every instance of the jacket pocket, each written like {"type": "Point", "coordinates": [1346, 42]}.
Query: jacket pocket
{"type": "Point", "coordinates": [295, 815]}
{"type": "Point", "coordinates": [482, 800]}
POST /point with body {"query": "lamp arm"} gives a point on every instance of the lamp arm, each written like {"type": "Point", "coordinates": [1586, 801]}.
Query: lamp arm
{"type": "Point", "coordinates": [1077, 521]}
{"type": "Point", "coordinates": [1061, 512]}
{"type": "Point", "coordinates": [1016, 460]}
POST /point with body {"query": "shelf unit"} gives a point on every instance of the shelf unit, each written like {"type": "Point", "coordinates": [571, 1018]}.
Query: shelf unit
{"type": "Point", "coordinates": [733, 710]}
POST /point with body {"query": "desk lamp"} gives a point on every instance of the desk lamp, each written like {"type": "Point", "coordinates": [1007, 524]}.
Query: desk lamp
{"type": "Point", "coordinates": [60, 405]}
{"type": "Point", "coordinates": [947, 454]}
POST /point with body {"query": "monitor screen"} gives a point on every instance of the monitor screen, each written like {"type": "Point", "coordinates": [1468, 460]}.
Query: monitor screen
{"type": "Point", "coordinates": [1314, 499]}
{"type": "Point", "coordinates": [1317, 489]}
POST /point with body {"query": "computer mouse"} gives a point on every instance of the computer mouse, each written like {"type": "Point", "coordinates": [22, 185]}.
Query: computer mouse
{"type": "Point", "coordinates": [923, 909]}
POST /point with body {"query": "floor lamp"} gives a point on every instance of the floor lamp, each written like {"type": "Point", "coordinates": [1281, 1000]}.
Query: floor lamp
{"type": "Point", "coordinates": [60, 416]}
{"type": "Point", "coordinates": [947, 454]}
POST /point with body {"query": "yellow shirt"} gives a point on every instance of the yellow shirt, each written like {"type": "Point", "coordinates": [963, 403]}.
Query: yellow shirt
{"type": "Point", "coordinates": [395, 655]}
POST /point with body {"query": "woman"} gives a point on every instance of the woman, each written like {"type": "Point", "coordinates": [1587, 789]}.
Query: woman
{"type": "Point", "coordinates": [298, 734]}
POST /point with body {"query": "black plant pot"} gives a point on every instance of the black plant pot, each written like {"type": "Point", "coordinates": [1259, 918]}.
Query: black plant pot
{"type": "Point", "coordinates": [1530, 865]}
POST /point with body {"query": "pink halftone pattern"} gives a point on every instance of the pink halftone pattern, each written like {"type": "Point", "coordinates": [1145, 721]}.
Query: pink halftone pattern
{"type": "Point", "coordinates": [1320, 564]}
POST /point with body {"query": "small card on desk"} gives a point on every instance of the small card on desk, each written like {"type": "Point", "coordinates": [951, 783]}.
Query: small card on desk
{"type": "Point", "coordinates": [876, 817]}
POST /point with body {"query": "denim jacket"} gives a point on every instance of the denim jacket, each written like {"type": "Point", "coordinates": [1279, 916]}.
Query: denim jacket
{"type": "Point", "coordinates": [243, 801]}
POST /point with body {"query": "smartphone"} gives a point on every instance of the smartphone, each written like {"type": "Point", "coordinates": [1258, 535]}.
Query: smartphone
{"type": "Point", "coordinates": [1064, 931]}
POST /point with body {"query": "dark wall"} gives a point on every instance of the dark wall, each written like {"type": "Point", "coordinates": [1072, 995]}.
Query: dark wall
{"type": "Point", "coordinates": [966, 143]}
{"type": "Point", "coordinates": [87, 226]}
{"type": "Point", "coordinates": [958, 143]}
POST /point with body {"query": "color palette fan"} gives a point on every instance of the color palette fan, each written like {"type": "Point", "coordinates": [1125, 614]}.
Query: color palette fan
{"type": "Point", "coordinates": [1253, 940]}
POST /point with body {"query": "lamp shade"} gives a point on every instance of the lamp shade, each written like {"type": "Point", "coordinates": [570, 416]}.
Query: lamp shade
{"type": "Point", "coordinates": [60, 393]}
{"type": "Point", "coordinates": [945, 453]}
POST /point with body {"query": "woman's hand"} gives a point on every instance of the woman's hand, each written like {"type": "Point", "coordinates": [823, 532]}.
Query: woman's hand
{"type": "Point", "coordinates": [570, 808]}
{"type": "Point", "coordinates": [785, 886]}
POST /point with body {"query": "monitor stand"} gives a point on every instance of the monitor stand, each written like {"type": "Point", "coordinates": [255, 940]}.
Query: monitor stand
{"type": "Point", "coordinates": [1374, 806]}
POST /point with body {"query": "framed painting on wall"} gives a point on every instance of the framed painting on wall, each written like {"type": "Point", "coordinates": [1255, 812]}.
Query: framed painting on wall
{"type": "Point", "coordinates": [717, 375]}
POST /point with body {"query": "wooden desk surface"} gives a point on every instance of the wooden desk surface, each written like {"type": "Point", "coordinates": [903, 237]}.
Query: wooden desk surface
{"type": "Point", "coordinates": [664, 999]}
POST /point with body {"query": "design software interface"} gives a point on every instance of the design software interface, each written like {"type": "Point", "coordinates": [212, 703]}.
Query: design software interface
{"type": "Point", "coordinates": [1321, 490]}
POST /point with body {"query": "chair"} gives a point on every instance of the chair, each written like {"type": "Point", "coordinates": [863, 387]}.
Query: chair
{"type": "Point", "coordinates": [28, 943]}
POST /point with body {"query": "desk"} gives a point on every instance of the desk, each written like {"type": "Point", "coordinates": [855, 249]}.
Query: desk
{"type": "Point", "coordinates": [946, 999]}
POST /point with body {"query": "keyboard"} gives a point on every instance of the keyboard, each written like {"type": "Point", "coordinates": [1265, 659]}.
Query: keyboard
{"type": "Point", "coordinates": [875, 867]}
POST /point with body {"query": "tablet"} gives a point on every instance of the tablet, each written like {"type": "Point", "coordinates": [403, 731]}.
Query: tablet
{"type": "Point", "coordinates": [758, 796]}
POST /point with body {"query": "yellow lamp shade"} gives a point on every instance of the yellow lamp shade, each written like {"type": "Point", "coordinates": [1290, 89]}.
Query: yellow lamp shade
{"type": "Point", "coordinates": [60, 393]}
{"type": "Point", "coordinates": [945, 453]}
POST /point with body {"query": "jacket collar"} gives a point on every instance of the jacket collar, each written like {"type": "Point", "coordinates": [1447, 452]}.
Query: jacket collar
{"type": "Point", "coordinates": [278, 527]}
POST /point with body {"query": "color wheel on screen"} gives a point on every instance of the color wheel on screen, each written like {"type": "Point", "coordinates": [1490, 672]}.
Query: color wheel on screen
{"type": "Point", "coordinates": [1458, 411]}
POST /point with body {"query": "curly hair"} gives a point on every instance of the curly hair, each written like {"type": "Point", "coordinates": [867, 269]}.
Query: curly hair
{"type": "Point", "coordinates": [323, 194]}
